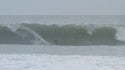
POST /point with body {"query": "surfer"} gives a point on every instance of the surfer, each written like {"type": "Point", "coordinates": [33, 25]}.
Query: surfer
{"type": "Point", "coordinates": [55, 42]}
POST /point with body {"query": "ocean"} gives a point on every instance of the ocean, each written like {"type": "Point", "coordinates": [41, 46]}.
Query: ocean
{"type": "Point", "coordinates": [62, 42]}
{"type": "Point", "coordinates": [67, 30]}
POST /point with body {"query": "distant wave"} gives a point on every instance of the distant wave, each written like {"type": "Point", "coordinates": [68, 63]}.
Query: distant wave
{"type": "Point", "coordinates": [86, 34]}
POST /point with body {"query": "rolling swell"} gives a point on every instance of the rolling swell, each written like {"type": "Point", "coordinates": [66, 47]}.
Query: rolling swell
{"type": "Point", "coordinates": [77, 34]}
{"type": "Point", "coordinates": [61, 35]}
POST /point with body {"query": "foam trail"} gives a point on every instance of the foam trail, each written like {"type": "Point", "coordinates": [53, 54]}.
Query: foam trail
{"type": "Point", "coordinates": [37, 40]}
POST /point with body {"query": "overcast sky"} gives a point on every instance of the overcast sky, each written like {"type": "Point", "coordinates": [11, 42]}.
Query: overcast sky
{"type": "Point", "coordinates": [62, 7]}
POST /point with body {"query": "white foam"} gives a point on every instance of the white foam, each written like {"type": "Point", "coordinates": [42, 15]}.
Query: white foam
{"type": "Point", "coordinates": [120, 35]}
{"type": "Point", "coordinates": [38, 39]}
{"type": "Point", "coordinates": [53, 62]}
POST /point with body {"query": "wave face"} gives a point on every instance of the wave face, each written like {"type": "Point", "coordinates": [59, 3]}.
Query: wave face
{"type": "Point", "coordinates": [87, 34]}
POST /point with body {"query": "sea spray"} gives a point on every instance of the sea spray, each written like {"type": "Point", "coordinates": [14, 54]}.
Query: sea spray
{"type": "Point", "coordinates": [26, 32]}
{"type": "Point", "coordinates": [39, 39]}
{"type": "Point", "coordinates": [120, 35]}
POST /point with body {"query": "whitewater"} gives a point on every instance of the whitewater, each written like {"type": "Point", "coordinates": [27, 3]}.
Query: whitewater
{"type": "Point", "coordinates": [60, 42]}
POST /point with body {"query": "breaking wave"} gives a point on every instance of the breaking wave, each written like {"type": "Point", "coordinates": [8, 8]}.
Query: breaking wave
{"type": "Point", "coordinates": [86, 34]}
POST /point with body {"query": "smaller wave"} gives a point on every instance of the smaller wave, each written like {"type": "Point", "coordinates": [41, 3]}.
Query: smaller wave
{"type": "Point", "coordinates": [17, 34]}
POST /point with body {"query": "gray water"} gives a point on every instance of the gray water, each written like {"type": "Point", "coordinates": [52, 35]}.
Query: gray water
{"type": "Point", "coordinates": [63, 34]}
{"type": "Point", "coordinates": [102, 50]}
{"type": "Point", "coordinates": [62, 29]}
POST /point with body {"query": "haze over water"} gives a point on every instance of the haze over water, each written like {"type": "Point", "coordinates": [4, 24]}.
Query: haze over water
{"type": "Point", "coordinates": [63, 19]}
